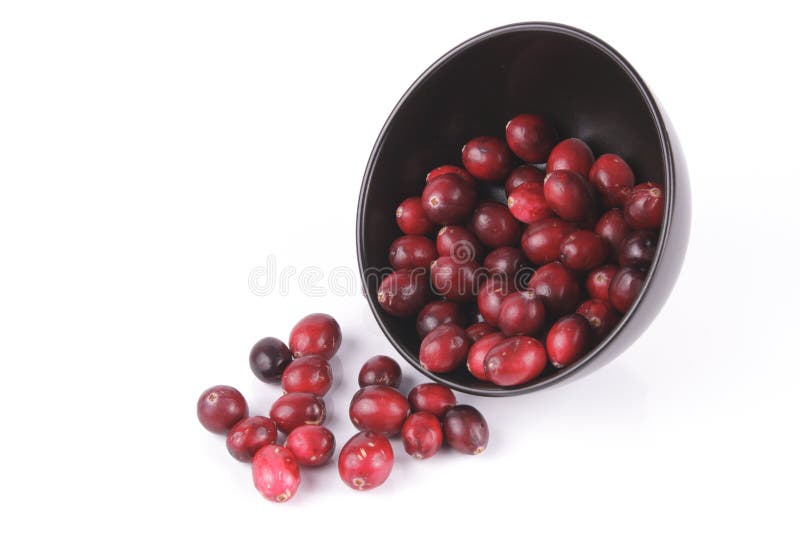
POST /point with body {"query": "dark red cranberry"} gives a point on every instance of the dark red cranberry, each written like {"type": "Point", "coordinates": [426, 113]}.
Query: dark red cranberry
{"type": "Point", "coordinates": [412, 252]}
{"type": "Point", "coordinates": [638, 250]}
{"type": "Point", "coordinates": [438, 313]}
{"type": "Point", "coordinates": [318, 333]}
{"type": "Point", "coordinates": [494, 225]}
{"type": "Point", "coordinates": [221, 407]}
{"type": "Point", "coordinates": [312, 445]}
{"type": "Point", "coordinates": [601, 315]}
{"type": "Point", "coordinates": [515, 361]}
{"type": "Point", "coordinates": [411, 217]}
{"type": "Point", "coordinates": [458, 242]}
{"type": "Point", "coordinates": [541, 241]}
{"type": "Point", "coordinates": [599, 279]}
{"type": "Point", "coordinates": [569, 195]}
{"type": "Point", "coordinates": [449, 169]}
{"type": "Point", "coordinates": [568, 339]}
{"type": "Point", "coordinates": [522, 175]}
{"type": "Point", "coordinates": [477, 330]}
{"type": "Point", "coordinates": [644, 207]}
{"type": "Point", "coordinates": [612, 176]}
{"type": "Point", "coordinates": [295, 409]}
{"type": "Point", "coordinates": [527, 203]}
{"type": "Point", "coordinates": [490, 297]}
{"type": "Point", "coordinates": [479, 350]}
{"type": "Point", "coordinates": [583, 250]}
{"type": "Point", "coordinates": [366, 461]}
{"type": "Point", "coordinates": [431, 397]}
{"type": "Point", "coordinates": [422, 435]}
{"type": "Point", "coordinates": [249, 435]}
{"type": "Point", "coordinates": [521, 314]}
{"type": "Point", "coordinates": [616, 197]}
{"type": "Point", "coordinates": [444, 349]}
{"type": "Point", "coordinates": [268, 358]}
{"type": "Point", "coordinates": [465, 429]}
{"type": "Point", "coordinates": [404, 292]}
{"type": "Point", "coordinates": [486, 158]}
{"type": "Point", "coordinates": [571, 155]}
{"type": "Point", "coordinates": [379, 409]}
{"type": "Point", "coordinates": [380, 371]}
{"type": "Point", "coordinates": [531, 137]}
{"type": "Point", "coordinates": [308, 374]}
{"type": "Point", "coordinates": [449, 199]}
{"type": "Point", "coordinates": [625, 287]}
{"type": "Point", "coordinates": [276, 473]}
{"type": "Point", "coordinates": [557, 286]}
{"type": "Point", "coordinates": [504, 262]}
{"type": "Point", "coordinates": [455, 279]}
{"type": "Point", "coordinates": [613, 228]}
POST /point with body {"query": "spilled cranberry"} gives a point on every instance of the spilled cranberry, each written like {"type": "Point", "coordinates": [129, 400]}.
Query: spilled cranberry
{"type": "Point", "coordinates": [380, 409]}
{"type": "Point", "coordinates": [569, 195]}
{"type": "Point", "coordinates": [644, 207]}
{"type": "Point", "coordinates": [479, 350]}
{"type": "Point", "coordinates": [495, 226]}
{"type": "Point", "coordinates": [318, 333]}
{"type": "Point", "coordinates": [478, 330]}
{"type": "Point", "coordinates": [638, 250]}
{"type": "Point", "coordinates": [522, 175]}
{"type": "Point", "coordinates": [486, 158]}
{"type": "Point", "coordinates": [296, 409]}
{"type": "Point", "coordinates": [613, 228]}
{"type": "Point", "coordinates": [449, 169]}
{"type": "Point", "coordinates": [521, 314]}
{"type": "Point", "coordinates": [308, 374]}
{"type": "Point", "coordinates": [411, 218]}
{"type": "Point", "coordinates": [557, 286]}
{"type": "Point", "coordinates": [422, 435]}
{"type": "Point", "coordinates": [505, 262]}
{"type": "Point", "coordinates": [438, 313]}
{"type": "Point", "coordinates": [276, 473]}
{"type": "Point", "coordinates": [380, 371]}
{"type": "Point", "coordinates": [490, 297]}
{"type": "Point", "coordinates": [444, 349]}
{"type": "Point", "coordinates": [599, 279]}
{"type": "Point", "coordinates": [531, 137]}
{"type": "Point", "coordinates": [312, 445]}
{"type": "Point", "coordinates": [527, 203]}
{"type": "Point", "coordinates": [456, 279]}
{"type": "Point", "coordinates": [541, 241]}
{"type": "Point", "coordinates": [403, 293]}
{"type": "Point", "coordinates": [268, 358]}
{"type": "Point", "coordinates": [515, 361]}
{"type": "Point", "coordinates": [432, 398]}
{"type": "Point", "coordinates": [571, 155]}
{"type": "Point", "coordinates": [247, 436]}
{"type": "Point", "coordinates": [221, 407]}
{"type": "Point", "coordinates": [465, 429]}
{"type": "Point", "coordinates": [568, 339]}
{"type": "Point", "coordinates": [583, 250]}
{"type": "Point", "coordinates": [625, 287]}
{"type": "Point", "coordinates": [459, 242]}
{"type": "Point", "coordinates": [449, 199]}
{"type": "Point", "coordinates": [366, 461]}
{"type": "Point", "coordinates": [412, 252]}
{"type": "Point", "coordinates": [601, 315]}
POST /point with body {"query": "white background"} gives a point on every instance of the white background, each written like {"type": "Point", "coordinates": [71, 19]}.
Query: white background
{"type": "Point", "coordinates": [154, 153]}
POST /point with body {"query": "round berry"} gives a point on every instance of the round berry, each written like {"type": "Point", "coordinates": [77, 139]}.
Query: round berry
{"type": "Point", "coordinates": [276, 473]}
{"type": "Point", "coordinates": [478, 351]}
{"type": "Point", "coordinates": [455, 279]}
{"type": "Point", "coordinates": [449, 199]}
{"type": "Point", "coordinates": [515, 361]}
{"type": "Point", "coordinates": [318, 333]}
{"type": "Point", "coordinates": [599, 279]}
{"type": "Point", "coordinates": [444, 349]}
{"type": "Point", "coordinates": [571, 155]}
{"type": "Point", "coordinates": [644, 207]}
{"type": "Point", "coordinates": [422, 435]}
{"type": "Point", "coordinates": [486, 158]}
{"type": "Point", "coordinates": [495, 226]}
{"type": "Point", "coordinates": [541, 241]}
{"type": "Point", "coordinates": [221, 407]}
{"type": "Point", "coordinates": [522, 175]}
{"type": "Point", "coordinates": [432, 398]}
{"type": "Point", "coordinates": [403, 293]}
{"type": "Point", "coordinates": [568, 339]}
{"type": "Point", "coordinates": [625, 287]}
{"type": "Point", "coordinates": [458, 242]}
{"type": "Point", "coordinates": [366, 461]}
{"type": "Point", "coordinates": [296, 409]}
{"type": "Point", "coordinates": [411, 218]}
{"type": "Point", "coordinates": [308, 374]}
{"type": "Point", "coordinates": [380, 409]}
{"type": "Point", "coordinates": [465, 429]}
{"type": "Point", "coordinates": [569, 195]}
{"type": "Point", "coordinates": [247, 436]}
{"type": "Point", "coordinates": [612, 176]}
{"type": "Point", "coordinates": [312, 445]}
{"type": "Point", "coordinates": [583, 250]}
{"type": "Point", "coordinates": [557, 286]}
{"type": "Point", "coordinates": [521, 314]}
{"type": "Point", "coordinates": [638, 250]}
{"type": "Point", "coordinates": [601, 315]}
{"type": "Point", "coordinates": [528, 204]}
{"type": "Point", "coordinates": [411, 252]}
{"type": "Point", "coordinates": [613, 228]}
{"type": "Point", "coordinates": [505, 263]}
{"type": "Point", "coordinates": [478, 330]}
{"type": "Point", "coordinates": [438, 313]}
{"type": "Point", "coordinates": [268, 358]}
{"type": "Point", "coordinates": [531, 137]}
{"type": "Point", "coordinates": [490, 297]}
{"type": "Point", "coordinates": [380, 371]}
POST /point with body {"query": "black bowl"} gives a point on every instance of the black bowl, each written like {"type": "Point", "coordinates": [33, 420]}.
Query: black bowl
{"type": "Point", "coordinates": [587, 90]}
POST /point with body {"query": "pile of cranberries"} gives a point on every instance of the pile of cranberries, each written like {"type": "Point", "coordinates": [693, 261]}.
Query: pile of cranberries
{"type": "Point", "coordinates": [542, 278]}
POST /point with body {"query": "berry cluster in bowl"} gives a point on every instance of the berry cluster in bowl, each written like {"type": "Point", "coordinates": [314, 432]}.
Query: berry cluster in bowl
{"type": "Point", "coordinates": [513, 290]}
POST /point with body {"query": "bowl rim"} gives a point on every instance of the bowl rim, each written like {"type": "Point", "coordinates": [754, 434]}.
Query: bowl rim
{"type": "Point", "coordinates": [669, 183]}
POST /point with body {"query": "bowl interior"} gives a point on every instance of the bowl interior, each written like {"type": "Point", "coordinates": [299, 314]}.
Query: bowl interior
{"type": "Point", "coordinates": [579, 83]}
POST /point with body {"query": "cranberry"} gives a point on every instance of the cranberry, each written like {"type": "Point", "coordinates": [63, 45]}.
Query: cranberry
{"type": "Point", "coordinates": [221, 407]}
{"type": "Point", "coordinates": [571, 155]}
{"type": "Point", "coordinates": [613, 228]}
{"type": "Point", "coordinates": [625, 287]}
{"type": "Point", "coordinates": [312, 445]}
{"type": "Point", "coordinates": [449, 169]}
{"type": "Point", "coordinates": [599, 279]}
{"type": "Point", "coordinates": [479, 350]}
{"type": "Point", "coordinates": [644, 207]}
{"type": "Point", "coordinates": [601, 316]}
{"type": "Point", "coordinates": [465, 429]}
{"type": "Point", "coordinates": [569, 195]}
{"type": "Point", "coordinates": [379, 409]}
{"type": "Point", "coordinates": [527, 203]}
{"type": "Point", "coordinates": [490, 297]}
{"type": "Point", "coordinates": [309, 374]}
{"type": "Point", "coordinates": [478, 330]}
{"type": "Point", "coordinates": [438, 313]}
{"type": "Point", "coordinates": [422, 435]}
{"type": "Point", "coordinates": [638, 250]}
{"type": "Point", "coordinates": [583, 250]}
{"type": "Point", "coordinates": [515, 361]}
{"type": "Point", "coordinates": [444, 349]}
{"type": "Point", "coordinates": [568, 339]}
{"type": "Point", "coordinates": [449, 199]}
{"type": "Point", "coordinates": [486, 158]}
{"type": "Point", "coordinates": [459, 242]}
{"type": "Point", "coordinates": [494, 225]}
{"type": "Point", "coordinates": [318, 333]}
{"type": "Point", "coordinates": [521, 314]}
{"type": "Point", "coordinates": [276, 474]}
{"type": "Point", "coordinates": [455, 279]}
{"type": "Point", "coordinates": [531, 137]}
{"type": "Point", "coordinates": [404, 292]}
{"type": "Point", "coordinates": [295, 409]}
{"type": "Point", "coordinates": [268, 358]}
{"type": "Point", "coordinates": [432, 398]}
{"type": "Point", "coordinates": [557, 286]}
{"type": "Point", "coordinates": [612, 176]}
{"type": "Point", "coordinates": [504, 262]}
{"type": "Point", "coordinates": [541, 241]}
{"type": "Point", "coordinates": [380, 371]}
{"type": "Point", "coordinates": [412, 252]}
{"type": "Point", "coordinates": [411, 217]}
{"type": "Point", "coordinates": [366, 461]}
{"type": "Point", "coordinates": [522, 175]}
{"type": "Point", "coordinates": [249, 435]}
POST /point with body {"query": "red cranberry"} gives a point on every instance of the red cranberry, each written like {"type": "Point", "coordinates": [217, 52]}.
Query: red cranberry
{"type": "Point", "coordinates": [449, 199]}
{"type": "Point", "coordinates": [557, 286]}
{"type": "Point", "coordinates": [541, 241]}
{"type": "Point", "coordinates": [444, 349]}
{"type": "Point", "coordinates": [318, 333]}
{"type": "Point", "coordinates": [613, 228]}
{"type": "Point", "coordinates": [625, 287]}
{"type": "Point", "coordinates": [309, 374]}
{"type": "Point", "coordinates": [527, 203]}
{"type": "Point", "coordinates": [478, 351]}
{"type": "Point", "coordinates": [568, 339]}
{"type": "Point", "coordinates": [521, 314]}
{"type": "Point", "coordinates": [583, 250]}
{"type": "Point", "coordinates": [486, 158]}
{"type": "Point", "coordinates": [295, 409]}
{"type": "Point", "coordinates": [438, 313]}
{"type": "Point", "coordinates": [612, 176]}
{"type": "Point", "coordinates": [515, 361]}
{"type": "Point", "coordinates": [459, 242]}
{"type": "Point", "coordinates": [644, 207]}
{"type": "Point", "coordinates": [312, 445]}
{"type": "Point", "coordinates": [411, 217]}
{"type": "Point", "coordinates": [571, 155]}
{"type": "Point", "coordinates": [432, 398]}
{"type": "Point", "coordinates": [422, 435]}
{"type": "Point", "coordinates": [494, 225]}
{"type": "Point", "coordinates": [411, 252]}
{"type": "Point", "coordinates": [465, 429]}
{"type": "Point", "coordinates": [380, 371]}
{"type": "Point", "coordinates": [601, 316]}
{"type": "Point", "coordinates": [569, 195]}
{"type": "Point", "coordinates": [638, 250]}
{"type": "Point", "coordinates": [478, 330]}
{"type": "Point", "coordinates": [249, 435]}
{"type": "Point", "coordinates": [599, 279]}
{"type": "Point", "coordinates": [504, 262]}
{"type": "Point", "coordinates": [276, 474]}
{"type": "Point", "coordinates": [221, 407]}
{"type": "Point", "coordinates": [522, 175]}
{"type": "Point", "coordinates": [379, 409]}
{"type": "Point", "coordinates": [449, 169]}
{"type": "Point", "coordinates": [490, 297]}
{"type": "Point", "coordinates": [455, 279]}
{"type": "Point", "coordinates": [531, 137]}
{"type": "Point", "coordinates": [268, 358]}
{"type": "Point", "coordinates": [404, 292]}
{"type": "Point", "coordinates": [366, 461]}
